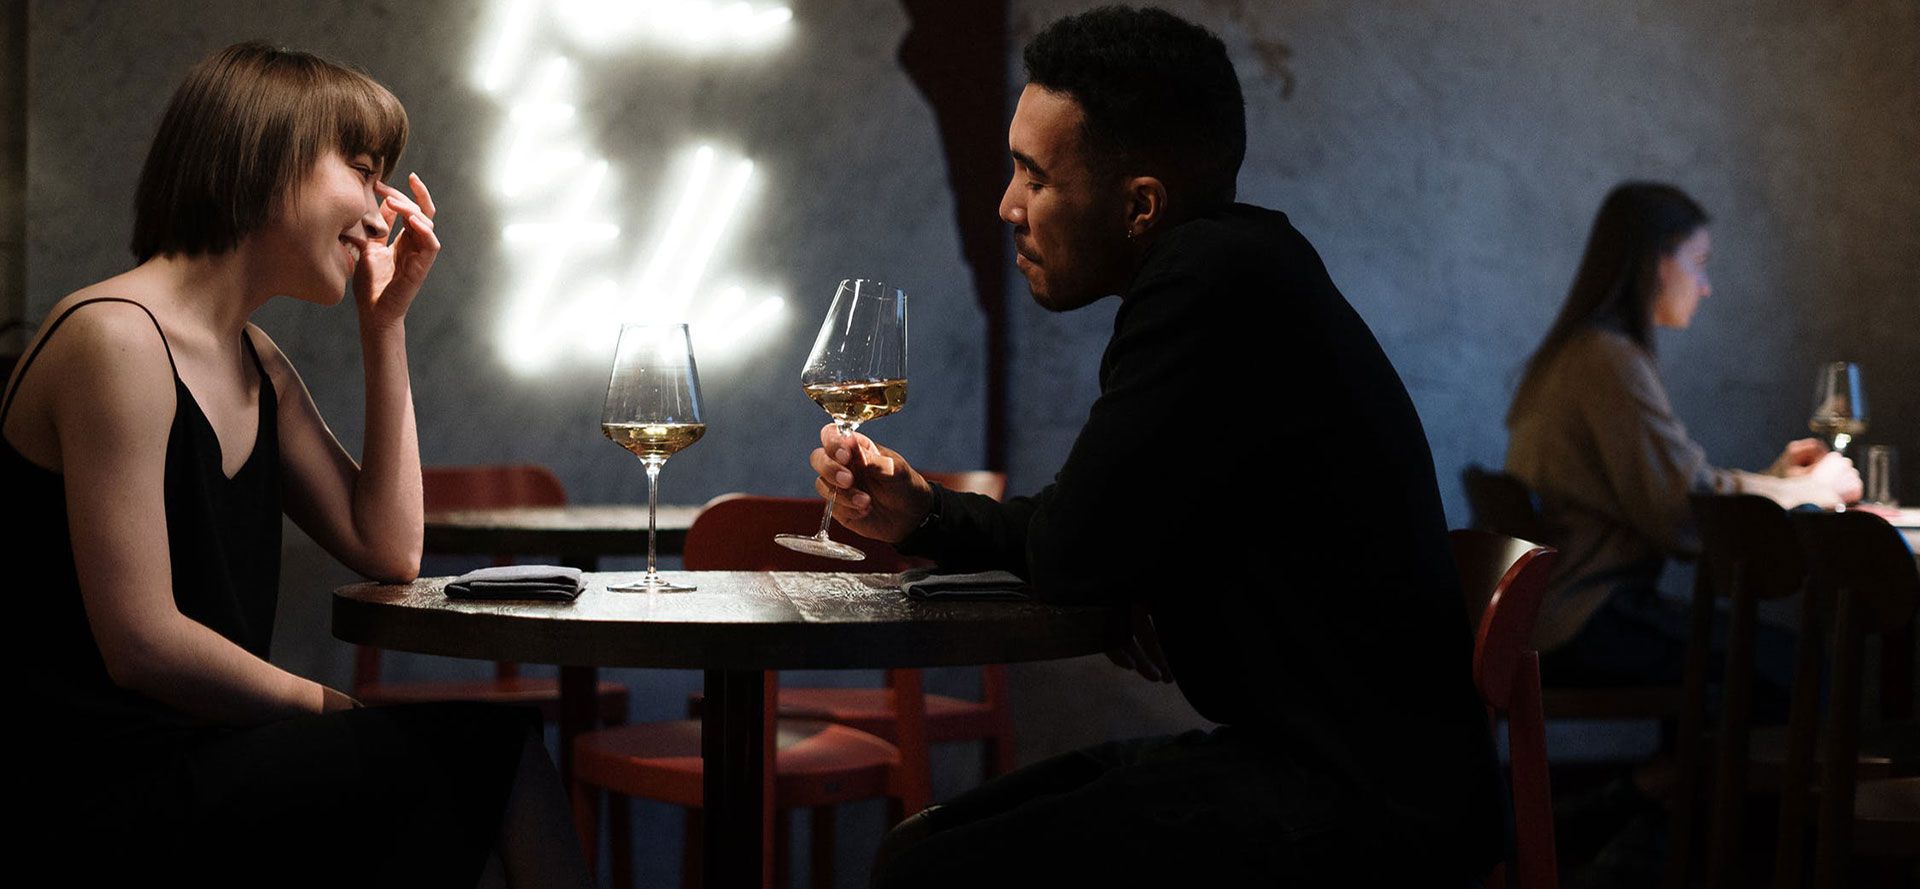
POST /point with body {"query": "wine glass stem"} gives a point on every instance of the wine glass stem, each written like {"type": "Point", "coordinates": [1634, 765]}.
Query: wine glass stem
{"type": "Point", "coordinates": [653, 509]}
{"type": "Point", "coordinates": [826, 518]}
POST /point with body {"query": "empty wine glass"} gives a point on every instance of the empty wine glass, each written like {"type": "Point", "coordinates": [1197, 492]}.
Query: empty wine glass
{"type": "Point", "coordinates": [856, 372]}
{"type": "Point", "coordinates": [1839, 405]}
{"type": "Point", "coordinates": [653, 410]}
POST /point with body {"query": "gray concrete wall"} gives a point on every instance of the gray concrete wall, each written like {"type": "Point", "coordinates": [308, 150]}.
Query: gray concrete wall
{"type": "Point", "coordinates": [13, 173]}
{"type": "Point", "coordinates": [1447, 158]}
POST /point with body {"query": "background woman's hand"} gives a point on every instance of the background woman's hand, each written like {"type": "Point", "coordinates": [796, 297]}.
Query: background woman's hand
{"type": "Point", "coordinates": [874, 491]}
{"type": "Point", "coordinates": [1798, 458]}
{"type": "Point", "coordinates": [1836, 474]}
{"type": "Point", "coordinates": [390, 272]}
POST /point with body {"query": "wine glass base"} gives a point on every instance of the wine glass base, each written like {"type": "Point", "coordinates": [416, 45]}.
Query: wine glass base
{"type": "Point", "coordinates": [819, 546]}
{"type": "Point", "coordinates": [656, 585]}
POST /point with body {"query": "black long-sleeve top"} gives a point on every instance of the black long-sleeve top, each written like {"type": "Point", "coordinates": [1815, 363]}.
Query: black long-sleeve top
{"type": "Point", "coordinates": [1254, 470]}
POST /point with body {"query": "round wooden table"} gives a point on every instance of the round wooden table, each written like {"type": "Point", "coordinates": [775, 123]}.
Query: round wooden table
{"type": "Point", "coordinates": [734, 626]}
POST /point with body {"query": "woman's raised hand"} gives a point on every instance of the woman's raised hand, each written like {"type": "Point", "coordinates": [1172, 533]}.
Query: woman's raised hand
{"type": "Point", "coordinates": [390, 273]}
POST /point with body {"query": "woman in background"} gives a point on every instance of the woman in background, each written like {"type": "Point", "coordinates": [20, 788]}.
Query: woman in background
{"type": "Point", "coordinates": [1592, 433]}
{"type": "Point", "coordinates": [152, 439]}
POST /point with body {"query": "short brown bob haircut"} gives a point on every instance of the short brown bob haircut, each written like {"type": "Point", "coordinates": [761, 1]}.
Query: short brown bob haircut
{"type": "Point", "coordinates": [241, 133]}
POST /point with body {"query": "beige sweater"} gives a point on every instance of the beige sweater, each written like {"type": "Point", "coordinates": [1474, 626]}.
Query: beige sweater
{"type": "Point", "coordinates": [1597, 440]}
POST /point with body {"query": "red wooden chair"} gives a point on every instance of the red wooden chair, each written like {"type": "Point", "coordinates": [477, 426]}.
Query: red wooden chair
{"type": "Point", "coordinates": [949, 719]}
{"type": "Point", "coordinates": [485, 487]}
{"type": "Point", "coordinates": [816, 765]}
{"type": "Point", "coordinates": [1503, 579]}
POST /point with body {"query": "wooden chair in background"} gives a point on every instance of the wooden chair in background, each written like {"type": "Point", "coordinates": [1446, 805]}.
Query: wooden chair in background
{"type": "Point", "coordinates": [1863, 583]}
{"type": "Point", "coordinates": [1748, 554]}
{"type": "Point", "coordinates": [836, 746]}
{"type": "Point", "coordinates": [485, 487]}
{"type": "Point", "coordinates": [1505, 505]}
{"type": "Point", "coordinates": [988, 720]}
{"type": "Point", "coordinates": [1503, 579]}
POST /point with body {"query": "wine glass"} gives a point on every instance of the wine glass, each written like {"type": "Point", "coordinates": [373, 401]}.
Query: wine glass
{"type": "Point", "coordinates": [653, 410]}
{"type": "Point", "coordinates": [1839, 405]}
{"type": "Point", "coordinates": [856, 372]}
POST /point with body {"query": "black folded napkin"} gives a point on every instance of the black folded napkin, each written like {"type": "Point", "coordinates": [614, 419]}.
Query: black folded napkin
{"type": "Point", "coordinates": [547, 583]}
{"type": "Point", "coordinates": [924, 584]}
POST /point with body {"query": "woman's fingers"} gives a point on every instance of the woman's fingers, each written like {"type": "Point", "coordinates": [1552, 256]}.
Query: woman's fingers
{"type": "Point", "coordinates": [421, 193]}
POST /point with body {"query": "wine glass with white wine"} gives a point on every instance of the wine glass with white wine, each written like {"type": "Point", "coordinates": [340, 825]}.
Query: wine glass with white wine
{"type": "Point", "coordinates": [1839, 405]}
{"type": "Point", "coordinates": [653, 410]}
{"type": "Point", "coordinates": [856, 372]}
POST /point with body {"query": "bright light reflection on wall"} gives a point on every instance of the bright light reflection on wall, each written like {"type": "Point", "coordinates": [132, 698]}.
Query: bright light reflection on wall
{"type": "Point", "coordinates": [565, 287]}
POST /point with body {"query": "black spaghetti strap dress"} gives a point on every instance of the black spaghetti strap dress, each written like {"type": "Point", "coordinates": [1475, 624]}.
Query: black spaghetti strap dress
{"type": "Point", "coordinates": [122, 786]}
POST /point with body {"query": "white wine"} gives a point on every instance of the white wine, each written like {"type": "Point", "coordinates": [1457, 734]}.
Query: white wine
{"type": "Point", "coordinates": [1834, 426]}
{"type": "Point", "coordinates": [857, 402]}
{"type": "Point", "coordinates": [654, 441]}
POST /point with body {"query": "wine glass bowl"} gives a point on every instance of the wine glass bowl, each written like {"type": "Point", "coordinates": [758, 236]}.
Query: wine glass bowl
{"type": "Point", "coordinates": [1839, 405]}
{"type": "Point", "coordinates": [653, 411]}
{"type": "Point", "coordinates": [856, 372]}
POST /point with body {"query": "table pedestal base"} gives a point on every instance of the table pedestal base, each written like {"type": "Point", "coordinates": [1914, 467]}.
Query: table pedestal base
{"type": "Point", "coordinates": [738, 775]}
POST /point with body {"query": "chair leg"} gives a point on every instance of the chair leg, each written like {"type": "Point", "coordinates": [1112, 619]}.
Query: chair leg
{"type": "Point", "coordinates": [692, 849]}
{"type": "Point", "coordinates": [1834, 846]}
{"type": "Point", "coordinates": [782, 848]}
{"type": "Point", "coordinates": [1533, 796]}
{"type": "Point", "coordinates": [620, 838]}
{"type": "Point", "coordinates": [820, 858]}
{"type": "Point", "coordinates": [586, 822]}
{"type": "Point", "coordinates": [1797, 775]}
{"type": "Point", "coordinates": [996, 755]}
{"type": "Point", "coordinates": [1691, 744]}
{"type": "Point", "coordinates": [1730, 771]}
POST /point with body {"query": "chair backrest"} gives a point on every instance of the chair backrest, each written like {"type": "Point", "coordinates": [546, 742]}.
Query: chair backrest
{"type": "Point", "coordinates": [490, 487]}
{"type": "Point", "coordinates": [1503, 579]}
{"type": "Point", "coordinates": [1863, 554]}
{"type": "Point", "coordinates": [734, 532]}
{"type": "Point", "coordinates": [1504, 505]}
{"type": "Point", "coordinates": [493, 486]}
{"type": "Point", "coordinates": [978, 481]}
{"type": "Point", "coordinates": [1747, 544]}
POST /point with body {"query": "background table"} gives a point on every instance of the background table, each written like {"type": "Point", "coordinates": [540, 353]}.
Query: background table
{"type": "Point", "coordinates": [579, 535]}
{"type": "Point", "coordinates": [736, 625]}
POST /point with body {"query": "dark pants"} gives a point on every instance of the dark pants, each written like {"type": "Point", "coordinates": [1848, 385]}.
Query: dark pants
{"type": "Point", "coordinates": [1197, 809]}
{"type": "Point", "coordinates": [1636, 638]}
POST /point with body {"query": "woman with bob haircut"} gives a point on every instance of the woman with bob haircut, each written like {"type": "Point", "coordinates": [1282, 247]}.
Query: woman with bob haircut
{"type": "Point", "coordinates": [1592, 432]}
{"type": "Point", "coordinates": [152, 438]}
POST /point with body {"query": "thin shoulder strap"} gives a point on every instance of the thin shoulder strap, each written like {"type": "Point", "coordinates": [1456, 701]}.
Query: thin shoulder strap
{"type": "Point", "coordinates": [21, 377]}
{"type": "Point", "coordinates": [259, 366]}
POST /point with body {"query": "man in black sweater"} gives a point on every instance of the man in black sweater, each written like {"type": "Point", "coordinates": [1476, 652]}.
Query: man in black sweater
{"type": "Point", "coordinates": [1302, 588]}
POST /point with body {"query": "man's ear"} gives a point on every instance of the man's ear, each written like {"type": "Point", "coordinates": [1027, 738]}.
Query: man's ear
{"type": "Point", "coordinates": [1146, 204]}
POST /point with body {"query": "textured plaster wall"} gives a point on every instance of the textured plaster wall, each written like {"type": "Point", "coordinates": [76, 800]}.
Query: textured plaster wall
{"type": "Point", "coordinates": [13, 169]}
{"type": "Point", "coordinates": [1447, 159]}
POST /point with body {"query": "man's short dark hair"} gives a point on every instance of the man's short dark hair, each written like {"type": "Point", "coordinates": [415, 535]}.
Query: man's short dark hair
{"type": "Point", "coordinates": [241, 133]}
{"type": "Point", "coordinates": [1159, 94]}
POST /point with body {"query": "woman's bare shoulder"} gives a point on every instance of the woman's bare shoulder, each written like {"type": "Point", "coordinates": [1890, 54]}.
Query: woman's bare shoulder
{"type": "Point", "coordinates": [97, 366]}
{"type": "Point", "coordinates": [99, 317]}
